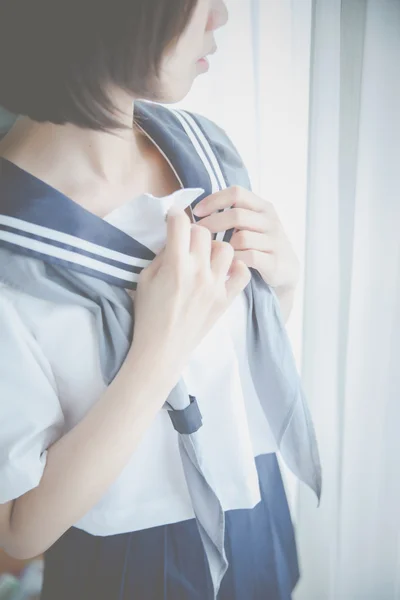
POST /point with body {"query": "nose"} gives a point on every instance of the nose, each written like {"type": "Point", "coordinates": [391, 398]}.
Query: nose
{"type": "Point", "coordinates": [219, 15]}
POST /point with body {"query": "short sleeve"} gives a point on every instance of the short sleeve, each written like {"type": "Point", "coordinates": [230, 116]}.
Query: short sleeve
{"type": "Point", "coordinates": [31, 418]}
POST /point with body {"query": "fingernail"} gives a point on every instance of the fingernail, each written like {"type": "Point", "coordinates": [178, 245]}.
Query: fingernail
{"type": "Point", "coordinates": [199, 210]}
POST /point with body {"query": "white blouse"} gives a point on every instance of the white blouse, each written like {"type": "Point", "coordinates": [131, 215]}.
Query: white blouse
{"type": "Point", "coordinates": [50, 377]}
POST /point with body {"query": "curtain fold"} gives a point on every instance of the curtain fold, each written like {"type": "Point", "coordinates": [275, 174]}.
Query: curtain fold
{"type": "Point", "coordinates": [350, 546]}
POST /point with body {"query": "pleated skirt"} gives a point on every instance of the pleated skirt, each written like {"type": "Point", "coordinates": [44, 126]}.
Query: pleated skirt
{"type": "Point", "coordinates": [168, 562]}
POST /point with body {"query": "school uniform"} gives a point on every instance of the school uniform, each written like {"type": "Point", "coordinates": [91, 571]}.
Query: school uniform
{"type": "Point", "coordinates": [199, 512]}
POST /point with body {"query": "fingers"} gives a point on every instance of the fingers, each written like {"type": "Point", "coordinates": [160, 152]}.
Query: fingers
{"type": "Point", "coordinates": [240, 276]}
{"type": "Point", "coordinates": [178, 236]}
{"type": "Point", "coordinates": [200, 246]}
{"type": "Point", "coordinates": [237, 218]}
{"type": "Point", "coordinates": [222, 255]}
{"type": "Point", "coordinates": [184, 238]}
{"type": "Point", "coordinates": [231, 196]}
{"type": "Point", "coordinates": [250, 240]}
{"type": "Point", "coordinates": [223, 262]}
{"type": "Point", "coordinates": [264, 262]}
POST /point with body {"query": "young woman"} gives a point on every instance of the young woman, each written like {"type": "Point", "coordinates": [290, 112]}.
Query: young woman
{"type": "Point", "coordinates": [138, 439]}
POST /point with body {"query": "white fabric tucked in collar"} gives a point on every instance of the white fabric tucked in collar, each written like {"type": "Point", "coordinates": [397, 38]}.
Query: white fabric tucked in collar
{"type": "Point", "coordinates": [144, 218]}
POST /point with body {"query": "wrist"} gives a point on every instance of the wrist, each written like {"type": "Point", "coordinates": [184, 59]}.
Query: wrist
{"type": "Point", "coordinates": [286, 295]}
{"type": "Point", "coordinates": [286, 290]}
{"type": "Point", "coordinates": [155, 364]}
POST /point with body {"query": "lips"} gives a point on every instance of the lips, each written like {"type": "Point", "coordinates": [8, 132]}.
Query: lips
{"type": "Point", "coordinates": [212, 51]}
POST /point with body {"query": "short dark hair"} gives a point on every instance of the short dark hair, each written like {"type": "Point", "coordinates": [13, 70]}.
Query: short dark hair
{"type": "Point", "coordinates": [57, 56]}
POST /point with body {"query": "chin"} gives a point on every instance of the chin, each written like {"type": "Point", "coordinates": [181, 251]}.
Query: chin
{"type": "Point", "coordinates": [171, 92]}
{"type": "Point", "coordinates": [178, 96]}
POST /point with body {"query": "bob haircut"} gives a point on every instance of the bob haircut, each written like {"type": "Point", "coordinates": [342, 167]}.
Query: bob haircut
{"type": "Point", "coordinates": [57, 57]}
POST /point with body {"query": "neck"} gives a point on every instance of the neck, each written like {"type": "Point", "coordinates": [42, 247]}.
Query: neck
{"type": "Point", "coordinates": [92, 157]}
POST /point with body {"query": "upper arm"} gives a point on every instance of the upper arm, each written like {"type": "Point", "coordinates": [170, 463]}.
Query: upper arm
{"type": "Point", "coordinates": [31, 418]}
{"type": "Point", "coordinates": [5, 521]}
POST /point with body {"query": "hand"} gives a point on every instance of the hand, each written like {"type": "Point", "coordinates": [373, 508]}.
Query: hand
{"type": "Point", "coordinates": [259, 239]}
{"type": "Point", "coordinates": [184, 291]}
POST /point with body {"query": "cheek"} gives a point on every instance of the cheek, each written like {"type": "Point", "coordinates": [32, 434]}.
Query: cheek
{"type": "Point", "coordinates": [192, 39]}
{"type": "Point", "coordinates": [176, 79]}
{"type": "Point", "coordinates": [178, 69]}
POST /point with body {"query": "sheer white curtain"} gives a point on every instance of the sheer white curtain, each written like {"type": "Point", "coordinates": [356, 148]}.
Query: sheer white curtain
{"type": "Point", "coordinates": [350, 546]}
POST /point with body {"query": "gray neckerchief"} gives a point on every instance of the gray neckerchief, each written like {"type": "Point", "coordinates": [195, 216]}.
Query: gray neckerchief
{"type": "Point", "coordinates": [31, 269]}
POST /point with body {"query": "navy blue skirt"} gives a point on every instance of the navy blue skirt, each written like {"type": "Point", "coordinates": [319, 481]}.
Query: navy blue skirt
{"type": "Point", "coordinates": [168, 562]}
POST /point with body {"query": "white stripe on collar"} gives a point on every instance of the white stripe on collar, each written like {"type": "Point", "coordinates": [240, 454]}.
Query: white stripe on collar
{"type": "Point", "coordinates": [66, 240]}
{"type": "Point", "coordinates": [212, 159]}
{"type": "Point", "coordinates": [91, 265]}
{"type": "Point", "coordinates": [203, 157]}
{"type": "Point", "coordinates": [206, 154]}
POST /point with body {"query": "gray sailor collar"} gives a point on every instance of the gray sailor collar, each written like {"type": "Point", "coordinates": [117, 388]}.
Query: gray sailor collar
{"type": "Point", "coordinates": [39, 221]}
